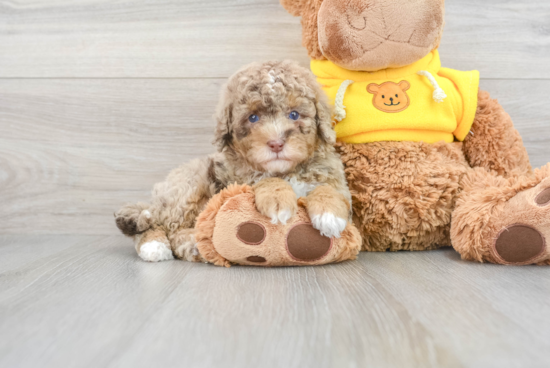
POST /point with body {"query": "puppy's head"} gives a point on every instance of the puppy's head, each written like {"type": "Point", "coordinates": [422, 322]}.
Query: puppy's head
{"type": "Point", "coordinates": [273, 116]}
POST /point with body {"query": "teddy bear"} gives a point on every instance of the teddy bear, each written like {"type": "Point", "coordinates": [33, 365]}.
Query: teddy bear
{"type": "Point", "coordinates": [431, 160]}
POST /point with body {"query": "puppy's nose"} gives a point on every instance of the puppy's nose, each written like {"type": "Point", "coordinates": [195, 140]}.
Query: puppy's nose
{"type": "Point", "coordinates": [276, 145]}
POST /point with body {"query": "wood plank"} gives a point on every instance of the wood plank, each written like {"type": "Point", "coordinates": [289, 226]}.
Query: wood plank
{"type": "Point", "coordinates": [18, 251]}
{"type": "Point", "coordinates": [167, 38]}
{"type": "Point", "coordinates": [466, 304]}
{"type": "Point", "coordinates": [73, 151]}
{"type": "Point", "coordinates": [95, 303]}
{"type": "Point", "coordinates": [213, 38]}
{"type": "Point", "coordinates": [81, 306]}
{"type": "Point", "coordinates": [500, 38]}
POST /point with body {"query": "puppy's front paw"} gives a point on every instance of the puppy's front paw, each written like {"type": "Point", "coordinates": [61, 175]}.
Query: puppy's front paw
{"type": "Point", "coordinates": [276, 200]}
{"type": "Point", "coordinates": [280, 209]}
{"type": "Point", "coordinates": [328, 210]}
{"type": "Point", "coordinates": [329, 225]}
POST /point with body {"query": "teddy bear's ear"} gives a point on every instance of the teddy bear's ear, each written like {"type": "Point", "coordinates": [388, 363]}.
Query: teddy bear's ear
{"type": "Point", "coordinates": [373, 88]}
{"type": "Point", "coordinates": [404, 85]}
{"type": "Point", "coordinates": [308, 10]}
{"type": "Point", "coordinates": [294, 7]}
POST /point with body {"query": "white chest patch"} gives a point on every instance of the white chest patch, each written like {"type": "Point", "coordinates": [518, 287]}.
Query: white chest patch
{"type": "Point", "coordinates": [301, 188]}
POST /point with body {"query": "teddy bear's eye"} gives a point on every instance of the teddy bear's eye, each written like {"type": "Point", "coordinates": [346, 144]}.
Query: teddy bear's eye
{"type": "Point", "coordinates": [396, 95]}
{"type": "Point", "coordinates": [383, 96]}
{"type": "Point", "coordinates": [253, 118]}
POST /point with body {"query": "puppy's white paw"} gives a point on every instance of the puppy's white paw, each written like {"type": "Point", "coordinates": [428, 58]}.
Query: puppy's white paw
{"type": "Point", "coordinates": [329, 225]}
{"type": "Point", "coordinates": [155, 251]}
{"type": "Point", "coordinates": [281, 217]}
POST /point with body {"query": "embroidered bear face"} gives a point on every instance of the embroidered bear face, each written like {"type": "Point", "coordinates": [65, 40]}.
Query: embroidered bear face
{"type": "Point", "coordinates": [390, 96]}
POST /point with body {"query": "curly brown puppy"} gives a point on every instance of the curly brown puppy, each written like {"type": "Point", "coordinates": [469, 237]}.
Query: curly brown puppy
{"type": "Point", "coordinates": [274, 132]}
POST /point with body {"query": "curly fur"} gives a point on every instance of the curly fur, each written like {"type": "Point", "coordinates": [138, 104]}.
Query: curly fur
{"type": "Point", "coordinates": [270, 90]}
{"type": "Point", "coordinates": [493, 142]}
{"type": "Point", "coordinates": [403, 192]}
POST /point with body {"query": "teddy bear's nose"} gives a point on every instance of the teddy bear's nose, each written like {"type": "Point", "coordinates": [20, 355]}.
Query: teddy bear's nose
{"type": "Point", "coordinates": [391, 99]}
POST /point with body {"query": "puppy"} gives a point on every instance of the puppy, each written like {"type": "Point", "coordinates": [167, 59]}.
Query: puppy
{"type": "Point", "coordinates": [273, 132]}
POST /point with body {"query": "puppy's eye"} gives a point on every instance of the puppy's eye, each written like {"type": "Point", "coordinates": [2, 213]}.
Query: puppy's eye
{"type": "Point", "coordinates": [294, 115]}
{"type": "Point", "coordinates": [253, 118]}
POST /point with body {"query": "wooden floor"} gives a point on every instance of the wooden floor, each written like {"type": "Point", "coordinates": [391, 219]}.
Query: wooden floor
{"type": "Point", "coordinates": [99, 99]}
{"type": "Point", "coordinates": [88, 301]}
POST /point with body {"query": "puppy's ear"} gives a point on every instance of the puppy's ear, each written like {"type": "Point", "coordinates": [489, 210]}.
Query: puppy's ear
{"type": "Point", "coordinates": [323, 120]}
{"type": "Point", "coordinates": [224, 129]}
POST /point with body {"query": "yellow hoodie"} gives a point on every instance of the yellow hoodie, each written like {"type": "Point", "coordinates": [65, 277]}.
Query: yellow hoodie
{"type": "Point", "coordinates": [419, 102]}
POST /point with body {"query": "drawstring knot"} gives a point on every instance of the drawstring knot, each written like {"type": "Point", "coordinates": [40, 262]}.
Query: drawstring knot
{"type": "Point", "coordinates": [439, 94]}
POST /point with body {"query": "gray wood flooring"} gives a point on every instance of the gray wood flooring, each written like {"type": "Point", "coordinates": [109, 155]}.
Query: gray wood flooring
{"type": "Point", "coordinates": [88, 301]}
{"type": "Point", "coordinates": [99, 99]}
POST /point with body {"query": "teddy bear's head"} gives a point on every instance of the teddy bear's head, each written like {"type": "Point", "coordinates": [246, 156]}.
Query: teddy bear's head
{"type": "Point", "coordinates": [369, 35]}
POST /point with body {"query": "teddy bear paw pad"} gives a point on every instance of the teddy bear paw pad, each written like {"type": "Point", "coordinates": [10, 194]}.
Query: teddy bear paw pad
{"type": "Point", "coordinates": [524, 227]}
{"type": "Point", "coordinates": [256, 259]}
{"type": "Point", "coordinates": [519, 244]}
{"type": "Point", "coordinates": [543, 199]}
{"type": "Point", "coordinates": [305, 243]}
{"type": "Point", "coordinates": [251, 233]}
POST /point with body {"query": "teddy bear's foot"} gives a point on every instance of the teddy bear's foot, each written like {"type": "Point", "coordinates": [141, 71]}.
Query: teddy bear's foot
{"type": "Point", "coordinates": [503, 220]}
{"type": "Point", "coordinates": [231, 230]}
{"type": "Point", "coordinates": [523, 240]}
{"type": "Point", "coordinates": [153, 246]}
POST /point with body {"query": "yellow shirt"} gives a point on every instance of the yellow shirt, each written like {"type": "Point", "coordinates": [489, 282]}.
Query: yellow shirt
{"type": "Point", "coordinates": [400, 104]}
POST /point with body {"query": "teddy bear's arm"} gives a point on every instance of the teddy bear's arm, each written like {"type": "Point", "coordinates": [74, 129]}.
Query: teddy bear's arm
{"type": "Point", "coordinates": [493, 142]}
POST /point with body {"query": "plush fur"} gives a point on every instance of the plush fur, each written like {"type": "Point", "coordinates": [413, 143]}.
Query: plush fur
{"type": "Point", "coordinates": [218, 242]}
{"type": "Point", "coordinates": [306, 160]}
{"type": "Point", "coordinates": [417, 196]}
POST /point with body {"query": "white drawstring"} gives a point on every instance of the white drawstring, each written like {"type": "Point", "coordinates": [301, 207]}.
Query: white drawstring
{"type": "Point", "coordinates": [339, 108]}
{"type": "Point", "coordinates": [439, 94]}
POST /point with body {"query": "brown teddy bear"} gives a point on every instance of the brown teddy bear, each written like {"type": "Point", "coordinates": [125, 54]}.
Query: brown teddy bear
{"type": "Point", "coordinates": [430, 159]}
